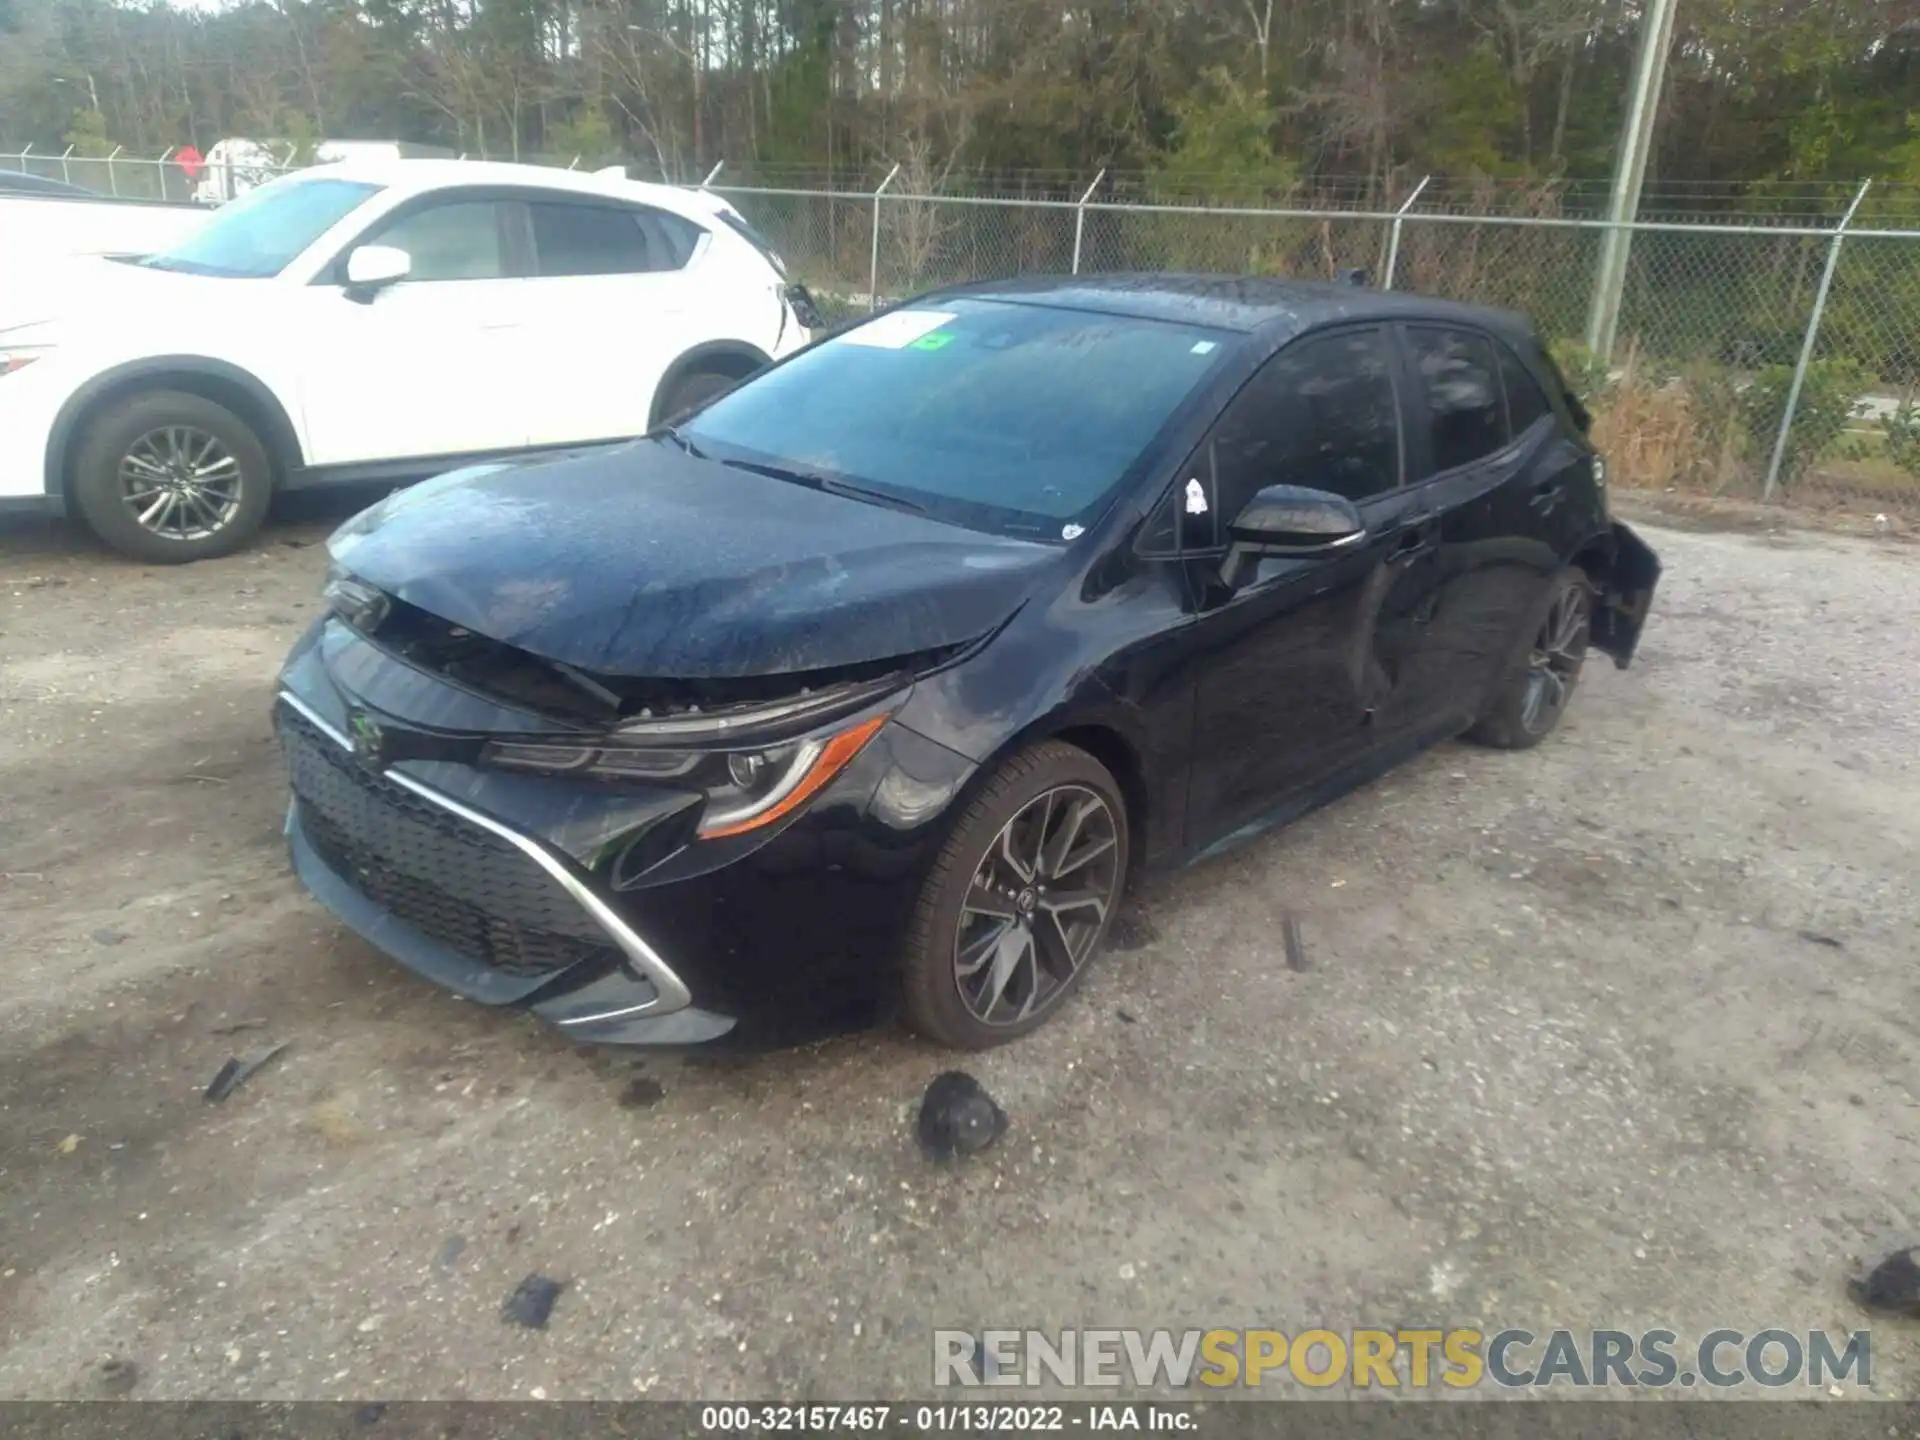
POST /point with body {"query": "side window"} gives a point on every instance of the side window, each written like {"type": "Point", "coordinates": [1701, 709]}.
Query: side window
{"type": "Point", "coordinates": [1320, 415]}
{"type": "Point", "coordinates": [670, 239]}
{"type": "Point", "coordinates": [589, 240]}
{"type": "Point", "coordinates": [1526, 401]}
{"type": "Point", "coordinates": [456, 241]}
{"type": "Point", "coordinates": [1461, 391]}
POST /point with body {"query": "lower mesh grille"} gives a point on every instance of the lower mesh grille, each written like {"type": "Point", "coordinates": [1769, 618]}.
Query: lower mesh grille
{"type": "Point", "coordinates": [449, 879]}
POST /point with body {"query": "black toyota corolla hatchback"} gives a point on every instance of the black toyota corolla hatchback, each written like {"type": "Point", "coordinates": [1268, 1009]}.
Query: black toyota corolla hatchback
{"type": "Point", "coordinates": [869, 685]}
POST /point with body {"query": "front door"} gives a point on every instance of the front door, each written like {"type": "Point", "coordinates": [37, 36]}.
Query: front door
{"type": "Point", "coordinates": [1288, 678]}
{"type": "Point", "coordinates": [434, 365]}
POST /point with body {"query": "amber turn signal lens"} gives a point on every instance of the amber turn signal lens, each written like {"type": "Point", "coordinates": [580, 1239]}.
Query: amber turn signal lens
{"type": "Point", "coordinates": [834, 757]}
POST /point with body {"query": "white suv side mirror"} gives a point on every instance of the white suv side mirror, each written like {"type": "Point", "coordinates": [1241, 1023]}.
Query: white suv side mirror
{"type": "Point", "coordinates": [371, 266]}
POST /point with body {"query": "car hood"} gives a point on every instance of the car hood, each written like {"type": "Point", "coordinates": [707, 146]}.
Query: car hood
{"type": "Point", "coordinates": [91, 291]}
{"type": "Point", "coordinates": [642, 561]}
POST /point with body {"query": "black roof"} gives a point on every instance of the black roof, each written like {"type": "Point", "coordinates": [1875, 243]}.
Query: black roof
{"type": "Point", "coordinates": [1230, 302]}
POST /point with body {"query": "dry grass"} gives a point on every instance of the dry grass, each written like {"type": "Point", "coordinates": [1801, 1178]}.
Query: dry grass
{"type": "Point", "coordinates": [1662, 432]}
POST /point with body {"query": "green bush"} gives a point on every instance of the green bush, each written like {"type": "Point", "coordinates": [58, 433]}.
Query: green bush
{"type": "Point", "coordinates": [1902, 431]}
{"type": "Point", "coordinates": [1585, 372]}
{"type": "Point", "coordinates": [1829, 397]}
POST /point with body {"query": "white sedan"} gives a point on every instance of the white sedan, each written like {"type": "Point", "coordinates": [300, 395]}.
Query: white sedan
{"type": "Point", "coordinates": [378, 321]}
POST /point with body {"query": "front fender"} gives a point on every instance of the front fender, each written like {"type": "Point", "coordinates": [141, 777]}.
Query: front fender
{"type": "Point", "coordinates": [155, 372]}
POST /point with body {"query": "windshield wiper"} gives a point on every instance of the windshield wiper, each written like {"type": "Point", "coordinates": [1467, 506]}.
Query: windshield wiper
{"type": "Point", "coordinates": [878, 497]}
{"type": "Point", "coordinates": [673, 433]}
{"type": "Point", "coordinates": [830, 484]}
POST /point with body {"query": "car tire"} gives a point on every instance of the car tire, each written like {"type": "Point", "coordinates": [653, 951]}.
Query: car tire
{"type": "Point", "coordinates": [1538, 682]}
{"type": "Point", "coordinates": [998, 941]}
{"type": "Point", "coordinates": [690, 392]}
{"type": "Point", "coordinates": [207, 476]}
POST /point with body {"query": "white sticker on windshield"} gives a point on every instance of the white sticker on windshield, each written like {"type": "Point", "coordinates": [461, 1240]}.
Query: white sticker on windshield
{"type": "Point", "coordinates": [1204, 347]}
{"type": "Point", "coordinates": [898, 330]}
{"type": "Point", "coordinates": [1072, 532]}
{"type": "Point", "coordinates": [1196, 498]}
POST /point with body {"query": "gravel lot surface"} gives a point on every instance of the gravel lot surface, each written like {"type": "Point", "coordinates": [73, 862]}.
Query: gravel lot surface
{"type": "Point", "coordinates": [1621, 1032]}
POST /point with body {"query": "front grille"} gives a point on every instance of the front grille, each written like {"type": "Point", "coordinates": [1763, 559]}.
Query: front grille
{"type": "Point", "coordinates": [448, 879]}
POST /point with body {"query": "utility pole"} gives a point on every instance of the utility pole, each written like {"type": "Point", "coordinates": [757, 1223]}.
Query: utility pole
{"type": "Point", "coordinates": [1629, 173]}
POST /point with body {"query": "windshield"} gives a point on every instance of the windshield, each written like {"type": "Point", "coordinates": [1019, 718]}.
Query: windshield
{"type": "Point", "coordinates": [1013, 418]}
{"type": "Point", "coordinates": [264, 230]}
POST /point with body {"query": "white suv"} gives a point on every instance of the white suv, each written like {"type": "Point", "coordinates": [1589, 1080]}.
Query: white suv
{"type": "Point", "coordinates": [373, 322]}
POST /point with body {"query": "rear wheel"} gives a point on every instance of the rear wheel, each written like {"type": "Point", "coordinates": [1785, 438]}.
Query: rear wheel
{"type": "Point", "coordinates": [1018, 901]}
{"type": "Point", "coordinates": [1535, 693]}
{"type": "Point", "coordinates": [169, 477]}
{"type": "Point", "coordinates": [690, 392]}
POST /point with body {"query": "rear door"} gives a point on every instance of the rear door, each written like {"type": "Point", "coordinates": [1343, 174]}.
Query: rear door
{"type": "Point", "coordinates": [1487, 493]}
{"type": "Point", "coordinates": [611, 308]}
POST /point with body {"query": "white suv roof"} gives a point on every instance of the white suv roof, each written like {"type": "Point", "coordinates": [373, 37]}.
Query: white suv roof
{"type": "Point", "coordinates": [423, 175]}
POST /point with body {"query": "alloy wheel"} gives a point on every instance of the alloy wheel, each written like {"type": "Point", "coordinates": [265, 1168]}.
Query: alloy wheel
{"type": "Point", "coordinates": [180, 482]}
{"type": "Point", "coordinates": [1554, 663]}
{"type": "Point", "coordinates": [1037, 904]}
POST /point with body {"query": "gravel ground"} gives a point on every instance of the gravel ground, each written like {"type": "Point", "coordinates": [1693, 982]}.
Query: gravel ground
{"type": "Point", "coordinates": [1616, 1033]}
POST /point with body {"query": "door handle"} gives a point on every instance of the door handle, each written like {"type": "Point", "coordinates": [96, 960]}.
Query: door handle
{"type": "Point", "coordinates": [1548, 492]}
{"type": "Point", "coordinates": [1414, 539]}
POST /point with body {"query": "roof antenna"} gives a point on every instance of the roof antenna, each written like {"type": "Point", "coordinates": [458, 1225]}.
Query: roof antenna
{"type": "Point", "coordinates": [1356, 276]}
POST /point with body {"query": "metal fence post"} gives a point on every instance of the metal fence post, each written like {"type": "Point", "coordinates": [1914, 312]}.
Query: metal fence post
{"type": "Point", "coordinates": [1393, 243]}
{"type": "Point", "coordinates": [1080, 219]}
{"type": "Point", "coordinates": [873, 273]}
{"type": "Point", "coordinates": [1806, 345]}
{"type": "Point", "coordinates": [66, 171]}
{"type": "Point", "coordinates": [113, 172]}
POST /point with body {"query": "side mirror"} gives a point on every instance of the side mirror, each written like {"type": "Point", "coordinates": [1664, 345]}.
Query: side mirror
{"type": "Point", "coordinates": [374, 267]}
{"type": "Point", "coordinates": [1290, 520]}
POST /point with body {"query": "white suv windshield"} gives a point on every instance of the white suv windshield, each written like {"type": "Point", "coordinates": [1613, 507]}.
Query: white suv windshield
{"type": "Point", "coordinates": [262, 232]}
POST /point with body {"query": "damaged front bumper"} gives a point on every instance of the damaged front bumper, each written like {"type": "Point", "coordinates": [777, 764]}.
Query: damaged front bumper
{"type": "Point", "coordinates": [593, 903]}
{"type": "Point", "coordinates": [432, 881]}
{"type": "Point", "coordinates": [1621, 611]}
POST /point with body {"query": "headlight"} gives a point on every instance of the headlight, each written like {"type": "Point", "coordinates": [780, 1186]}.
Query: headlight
{"type": "Point", "coordinates": [361, 605]}
{"type": "Point", "coordinates": [745, 789]}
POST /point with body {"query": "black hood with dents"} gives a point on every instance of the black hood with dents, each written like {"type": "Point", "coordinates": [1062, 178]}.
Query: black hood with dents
{"type": "Point", "coordinates": [643, 561]}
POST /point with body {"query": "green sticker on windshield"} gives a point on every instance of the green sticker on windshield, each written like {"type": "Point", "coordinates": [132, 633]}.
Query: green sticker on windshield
{"type": "Point", "coordinates": [932, 342]}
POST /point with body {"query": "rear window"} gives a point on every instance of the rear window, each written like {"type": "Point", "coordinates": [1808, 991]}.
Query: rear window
{"type": "Point", "coordinates": [1527, 403]}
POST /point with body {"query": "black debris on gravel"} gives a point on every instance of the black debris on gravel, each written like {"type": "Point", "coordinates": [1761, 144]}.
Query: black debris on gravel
{"type": "Point", "coordinates": [532, 1302]}
{"type": "Point", "coordinates": [1891, 1288]}
{"type": "Point", "coordinates": [958, 1117]}
{"type": "Point", "coordinates": [239, 1069]}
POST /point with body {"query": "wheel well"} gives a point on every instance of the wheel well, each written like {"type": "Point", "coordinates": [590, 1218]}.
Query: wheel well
{"type": "Point", "coordinates": [259, 410]}
{"type": "Point", "coordinates": [1596, 558]}
{"type": "Point", "coordinates": [1111, 749]}
{"type": "Point", "coordinates": [735, 362]}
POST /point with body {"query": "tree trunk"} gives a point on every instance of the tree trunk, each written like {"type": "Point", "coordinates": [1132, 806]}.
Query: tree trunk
{"type": "Point", "coordinates": [1557, 158]}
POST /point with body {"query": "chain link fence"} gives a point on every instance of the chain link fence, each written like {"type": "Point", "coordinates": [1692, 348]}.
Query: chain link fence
{"type": "Point", "coordinates": [1724, 329]}
{"type": "Point", "coordinates": [1754, 357]}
